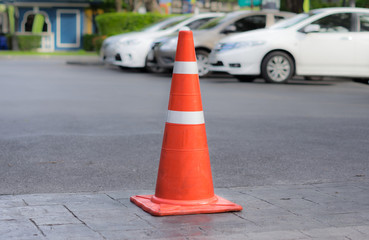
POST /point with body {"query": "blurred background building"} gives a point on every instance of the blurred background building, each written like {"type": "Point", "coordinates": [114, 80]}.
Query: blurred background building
{"type": "Point", "coordinates": [60, 23]}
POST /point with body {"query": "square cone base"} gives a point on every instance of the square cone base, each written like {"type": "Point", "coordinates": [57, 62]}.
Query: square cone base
{"type": "Point", "coordinates": [160, 209]}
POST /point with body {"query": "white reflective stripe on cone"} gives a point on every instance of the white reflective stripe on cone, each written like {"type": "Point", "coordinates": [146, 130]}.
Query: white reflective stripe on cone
{"type": "Point", "coordinates": [185, 67]}
{"type": "Point", "coordinates": [180, 117]}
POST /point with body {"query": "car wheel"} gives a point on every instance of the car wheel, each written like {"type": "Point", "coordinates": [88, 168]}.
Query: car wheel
{"type": "Point", "coordinates": [245, 78]}
{"type": "Point", "coordinates": [277, 67]}
{"type": "Point", "coordinates": [202, 58]}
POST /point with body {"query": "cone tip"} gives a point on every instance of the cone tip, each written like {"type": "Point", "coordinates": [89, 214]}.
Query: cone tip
{"type": "Point", "coordinates": [185, 29]}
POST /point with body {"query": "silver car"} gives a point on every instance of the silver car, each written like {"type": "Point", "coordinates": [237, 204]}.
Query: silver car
{"type": "Point", "coordinates": [107, 51]}
{"type": "Point", "coordinates": [130, 50]}
{"type": "Point", "coordinates": [164, 49]}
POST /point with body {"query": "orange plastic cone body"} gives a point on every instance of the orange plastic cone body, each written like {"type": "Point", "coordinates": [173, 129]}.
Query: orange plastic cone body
{"type": "Point", "coordinates": [184, 183]}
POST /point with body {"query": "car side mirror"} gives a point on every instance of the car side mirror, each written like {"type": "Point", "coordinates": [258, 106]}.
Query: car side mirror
{"type": "Point", "coordinates": [312, 28]}
{"type": "Point", "coordinates": [229, 29]}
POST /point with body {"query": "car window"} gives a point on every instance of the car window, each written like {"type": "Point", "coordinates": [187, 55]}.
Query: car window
{"type": "Point", "coordinates": [165, 24]}
{"type": "Point", "coordinates": [339, 22]}
{"type": "Point", "coordinates": [212, 23]}
{"type": "Point", "coordinates": [291, 21]}
{"type": "Point", "coordinates": [278, 18]}
{"type": "Point", "coordinates": [172, 24]}
{"type": "Point", "coordinates": [250, 23]}
{"type": "Point", "coordinates": [196, 24]}
{"type": "Point", "coordinates": [364, 23]}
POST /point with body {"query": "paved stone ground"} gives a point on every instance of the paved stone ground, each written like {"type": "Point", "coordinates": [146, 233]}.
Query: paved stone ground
{"type": "Point", "coordinates": [338, 210]}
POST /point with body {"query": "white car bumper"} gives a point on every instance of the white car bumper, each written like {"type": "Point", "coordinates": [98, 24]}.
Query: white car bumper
{"type": "Point", "coordinates": [132, 56]}
{"type": "Point", "coordinates": [108, 54]}
{"type": "Point", "coordinates": [244, 61]}
{"type": "Point", "coordinates": [124, 56]}
{"type": "Point", "coordinates": [110, 60]}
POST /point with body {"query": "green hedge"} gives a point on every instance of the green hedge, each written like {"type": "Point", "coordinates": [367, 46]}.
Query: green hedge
{"type": "Point", "coordinates": [92, 42]}
{"type": "Point", "coordinates": [110, 24]}
{"type": "Point", "coordinates": [29, 42]}
{"type": "Point", "coordinates": [87, 42]}
{"type": "Point", "coordinates": [97, 42]}
{"type": "Point", "coordinates": [9, 41]}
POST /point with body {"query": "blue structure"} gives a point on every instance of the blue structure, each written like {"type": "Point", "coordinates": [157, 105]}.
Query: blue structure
{"type": "Point", "coordinates": [65, 22]}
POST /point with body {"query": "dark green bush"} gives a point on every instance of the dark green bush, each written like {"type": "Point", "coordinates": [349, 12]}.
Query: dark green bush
{"type": "Point", "coordinates": [29, 42]}
{"type": "Point", "coordinates": [97, 42]}
{"type": "Point", "coordinates": [115, 23]}
{"type": "Point", "coordinates": [9, 41]}
{"type": "Point", "coordinates": [362, 3]}
{"type": "Point", "coordinates": [88, 42]}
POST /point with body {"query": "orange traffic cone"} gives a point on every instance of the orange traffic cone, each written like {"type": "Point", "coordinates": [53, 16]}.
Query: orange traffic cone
{"type": "Point", "coordinates": [184, 183]}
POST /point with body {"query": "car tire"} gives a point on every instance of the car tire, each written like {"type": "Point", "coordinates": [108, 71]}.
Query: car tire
{"type": "Point", "coordinates": [277, 67]}
{"type": "Point", "coordinates": [203, 64]}
{"type": "Point", "coordinates": [245, 78]}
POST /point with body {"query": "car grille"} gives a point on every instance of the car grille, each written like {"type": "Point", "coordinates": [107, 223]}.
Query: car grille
{"type": "Point", "coordinates": [219, 63]}
{"type": "Point", "coordinates": [117, 57]}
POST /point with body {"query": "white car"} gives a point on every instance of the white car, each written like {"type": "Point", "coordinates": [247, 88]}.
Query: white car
{"type": "Point", "coordinates": [210, 33]}
{"type": "Point", "coordinates": [131, 49]}
{"type": "Point", "coordinates": [108, 48]}
{"type": "Point", "coordinates": [324, 42]}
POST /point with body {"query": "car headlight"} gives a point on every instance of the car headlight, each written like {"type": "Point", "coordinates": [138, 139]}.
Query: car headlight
{"type": "Point", "coordinates": [106, 43]}
{"type": "Point", "coordinates": [171, 44]}
{"type": "Point", "coordinates": [234, 45]}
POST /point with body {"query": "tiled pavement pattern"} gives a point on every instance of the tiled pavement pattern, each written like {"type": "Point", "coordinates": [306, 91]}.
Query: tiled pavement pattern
{"type": "Point", "coordinates": [334, 211]}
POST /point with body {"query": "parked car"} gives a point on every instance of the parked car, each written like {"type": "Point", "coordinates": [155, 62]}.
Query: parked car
{"type": "Point", "coordinates": [324, 42]}
{"type": "Point", "coordinates": [131, 49]}
{"type": "Point", "coordinates": [108, 49]}
{"type": "Point", "coordinates": [205, 38]}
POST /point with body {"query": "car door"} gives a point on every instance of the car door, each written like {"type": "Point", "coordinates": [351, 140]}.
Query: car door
{"type": "Point", "coordinates": [329, 49]}
{"type": "Point", "coordinates": [361, 46]}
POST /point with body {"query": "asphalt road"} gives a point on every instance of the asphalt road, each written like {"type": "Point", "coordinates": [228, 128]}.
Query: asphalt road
{"type": "Point", "coordinates": [76, 128]}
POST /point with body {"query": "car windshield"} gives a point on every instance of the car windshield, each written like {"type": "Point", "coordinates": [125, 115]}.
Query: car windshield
{"type": "Point", "coordinates": [164, 24]}
{"type": "Point", "coordinates": [211, 23]}
{"type": "Point", "coordinates": [291, 21]}
{"type": "Point", "coordinates": [220, 20]}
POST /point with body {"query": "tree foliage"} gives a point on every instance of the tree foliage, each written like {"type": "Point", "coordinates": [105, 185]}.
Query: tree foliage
{"type": "Point", "coordinates": [296, 5]}
{"type": "Point", "coordinates": [115, 23]}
